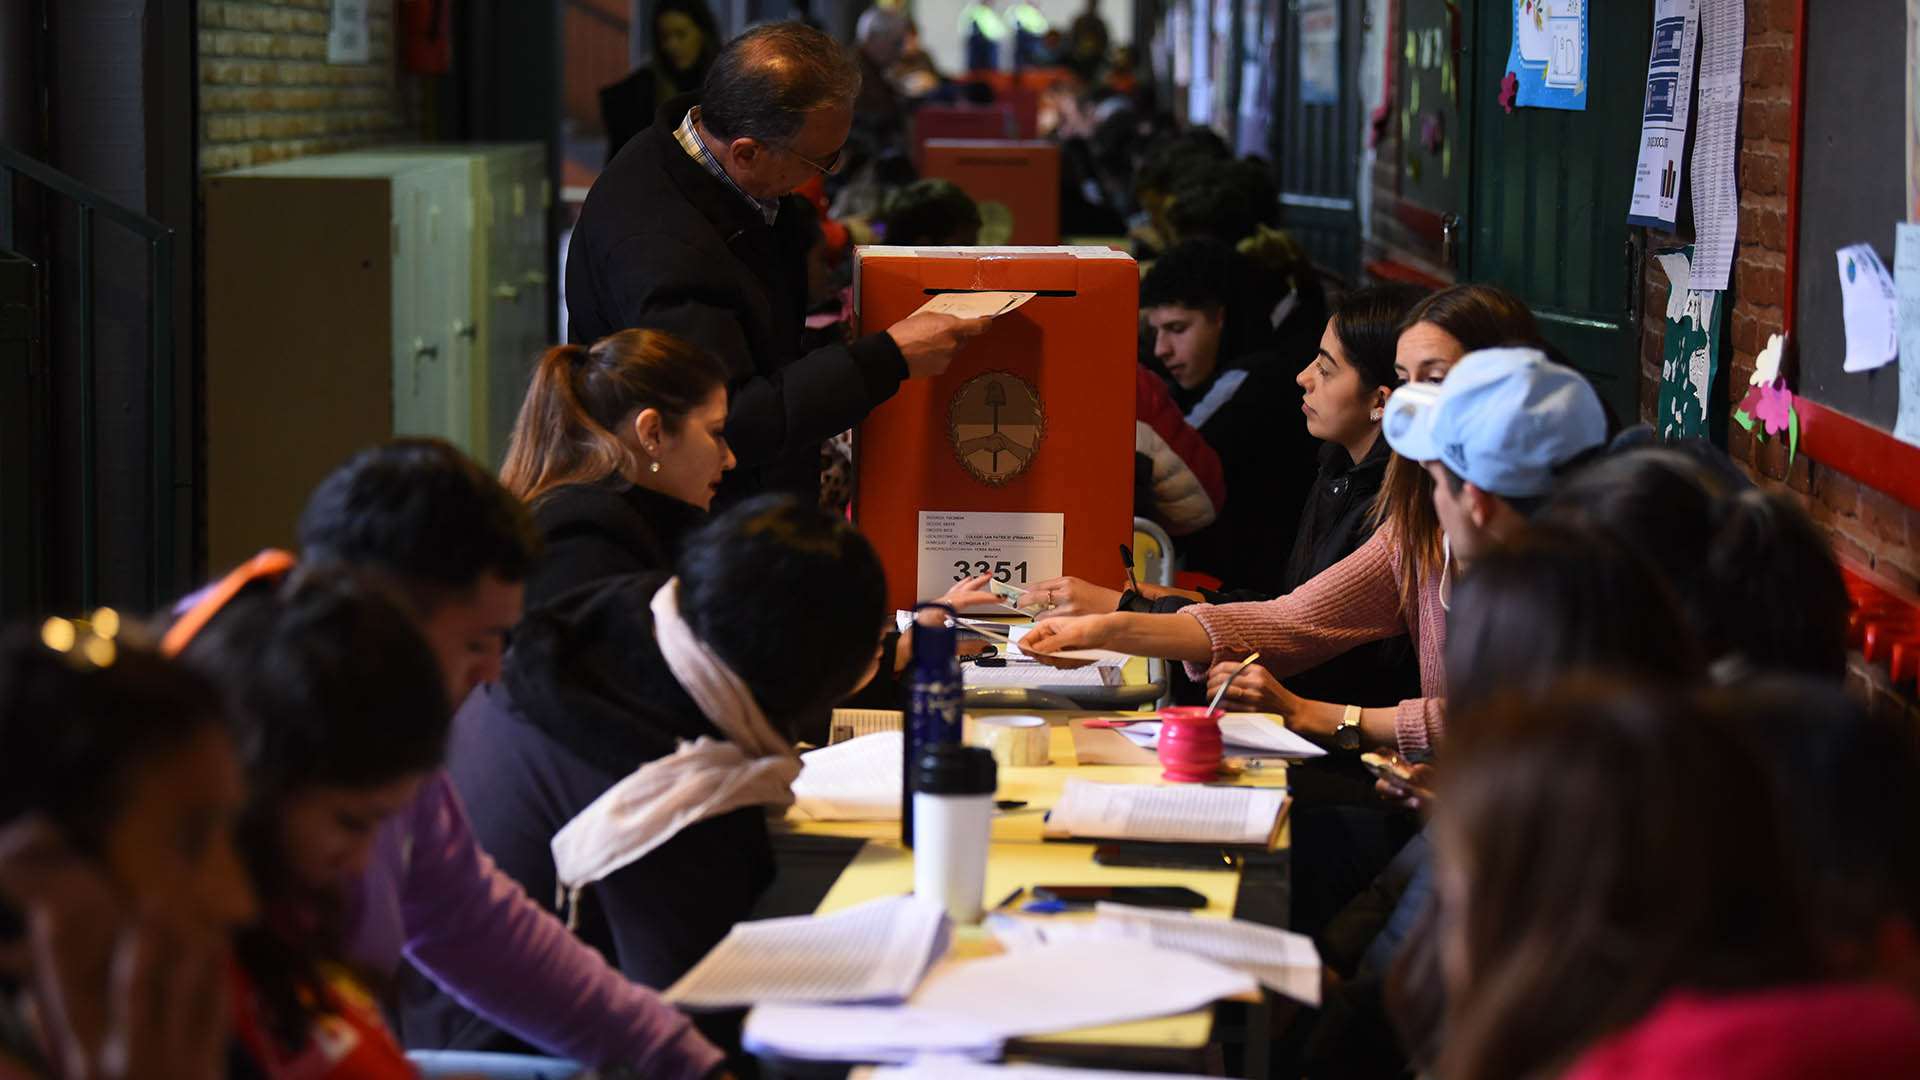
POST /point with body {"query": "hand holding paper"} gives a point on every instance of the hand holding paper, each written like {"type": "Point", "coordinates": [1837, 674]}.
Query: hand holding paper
{"type": "Point", "coordinates": [928, 339]}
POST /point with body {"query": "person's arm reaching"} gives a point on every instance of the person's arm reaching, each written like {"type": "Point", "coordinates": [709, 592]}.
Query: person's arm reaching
{"type": "Point", "coordinates": [475, 932]}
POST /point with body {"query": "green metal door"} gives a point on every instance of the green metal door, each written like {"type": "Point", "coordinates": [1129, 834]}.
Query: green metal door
{"type": "Point", "coordinates": [1547, 195]}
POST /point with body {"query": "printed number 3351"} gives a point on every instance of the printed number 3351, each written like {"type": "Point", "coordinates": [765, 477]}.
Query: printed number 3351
{"type": "Point", "coordinates": [1003, 570]}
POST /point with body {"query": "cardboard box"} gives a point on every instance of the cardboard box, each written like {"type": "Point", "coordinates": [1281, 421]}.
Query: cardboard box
{"type": "Point", "coordinates": [1016, 184]}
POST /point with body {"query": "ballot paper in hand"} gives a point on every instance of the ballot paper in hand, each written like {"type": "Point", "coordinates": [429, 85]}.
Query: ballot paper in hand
{"type": "Point", "coordinates": [871, 952]}
{"type": "Point", "coordinates": [856, 780]}
{"type": "Point", "coordinates": [975, 305]}
{"type": "Point", "coordinates": [885, 1033]}
{"type": "Point", "coordinates": [1192, 815]}
{"type": "Point", "coordinates": [1282, 960]}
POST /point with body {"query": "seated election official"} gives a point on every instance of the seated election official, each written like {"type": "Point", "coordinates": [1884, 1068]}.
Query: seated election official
{"type": "Point", "coordinates": [342, 717]}
{"type": "Point", "coordinates": [619, 450]}
{"type": "Point", "coordinates": [434, 525]}
{"type": "Point", "coordinates": [659, 686]}
{"type": "Point", "coordinates": [120, 882]}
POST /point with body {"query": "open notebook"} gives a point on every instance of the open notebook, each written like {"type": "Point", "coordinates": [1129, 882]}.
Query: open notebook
{"type": "Point", "coordinates": [872, 952]}
{"type": "Point", "coordinates": [1240, 816]}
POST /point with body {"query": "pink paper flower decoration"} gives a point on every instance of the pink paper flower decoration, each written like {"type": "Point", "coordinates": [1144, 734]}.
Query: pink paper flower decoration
{"type": "Point", "coordinates": [1775, 409]}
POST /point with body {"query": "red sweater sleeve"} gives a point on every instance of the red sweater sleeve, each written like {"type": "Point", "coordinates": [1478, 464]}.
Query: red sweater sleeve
{"type": "Point", "coordinates": [1154, 406]}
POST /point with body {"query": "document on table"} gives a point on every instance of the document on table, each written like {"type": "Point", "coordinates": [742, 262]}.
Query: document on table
{"type": "Point", "coordinates": [856, 780]}
{"type": "Point", "coordinates": [1032, 673]}
{"type": "Point", "coordinates": [871, 952]}
{"type": "Point", "coordinates": [1010, 636]}
{"type": "Point", "coordinates": [938, 1069]}
{"type": "Point", "coordinates": [974, 305]}
{"type": "Point", "coordinates": [1256, 735]}
{"type": "Point", "coordinates": [1193, 814]}
{"type": "Point", "coordinates": [1075, 985]}
{"type": "Point", "coordinates": [887, 1033]}
{"type": "Point", "coordinates": [1282, 960]}
{"type": "Point", "coordinates": [853, 723]}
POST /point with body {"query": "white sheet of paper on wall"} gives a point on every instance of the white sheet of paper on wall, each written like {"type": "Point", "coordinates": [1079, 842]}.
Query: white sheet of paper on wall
{"type": "Point", "coordinates": [1867, 305]}
{"type": "Point", "coordinates": [1906, 290]}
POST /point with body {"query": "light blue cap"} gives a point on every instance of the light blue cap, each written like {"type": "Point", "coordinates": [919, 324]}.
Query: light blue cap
{"type": "Point", "coordinates": [1502, 420]}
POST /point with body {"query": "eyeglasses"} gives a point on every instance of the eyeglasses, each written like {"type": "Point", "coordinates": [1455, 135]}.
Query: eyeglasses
{"type": "Point", "coordinates": [271, 563]}
{"type": "Point", "coordinates": [833, 163]}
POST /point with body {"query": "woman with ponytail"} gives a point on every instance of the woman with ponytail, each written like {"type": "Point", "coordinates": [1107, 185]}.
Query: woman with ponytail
{"type": "Point", "coordinates": [619, 449]}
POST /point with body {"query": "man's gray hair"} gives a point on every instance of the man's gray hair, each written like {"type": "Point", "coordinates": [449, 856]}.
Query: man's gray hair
{"type": "Point", "coordinates": [766, 81]}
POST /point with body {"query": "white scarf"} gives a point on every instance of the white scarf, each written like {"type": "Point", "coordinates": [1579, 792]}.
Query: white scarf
{"type": "Point", "coordinates": [699, 780]}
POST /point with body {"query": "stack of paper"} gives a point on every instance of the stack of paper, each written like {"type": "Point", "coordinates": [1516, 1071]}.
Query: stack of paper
{"type": "Point", "coordinates": [1283, 961]}
{"type": "Point", "coordinates": [888, 1033]}
{"type": "Point", "coordinates": [1254, 735]}
{"type": "Point", "coordinates": [856, 780]}
{"type": "Point", "coordinates": [853, 723]}
{"type": "Point", "coordinates": [871, 952]}
{"type": "Point", "coordinates": [1076, 985]}
{"type": "Point", "coordinates": [1191, 815]}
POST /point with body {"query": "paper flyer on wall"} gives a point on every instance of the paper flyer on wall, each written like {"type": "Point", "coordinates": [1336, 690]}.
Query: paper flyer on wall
{"type": "Point", "coordinates": [1906, 291]}
{"type": "Point", "coordinates": [1548, 59]}
{"type": "Point", "coordinates": [1690, 357]}
{"type": "Point", "coordinates": [1913, 110]}
{"type": "Point", "coordinates": [1663, 125]}
{"type": "Point", "coordinates": [1319, 52]}
{"type": "Point", "coordinates": [1716, 195]}
{"type": "Point", "coordinates": [1867, 309]}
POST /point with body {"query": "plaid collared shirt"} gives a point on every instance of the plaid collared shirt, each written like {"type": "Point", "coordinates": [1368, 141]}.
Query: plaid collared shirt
{"type": "Point", "coordinates": [689, 135]}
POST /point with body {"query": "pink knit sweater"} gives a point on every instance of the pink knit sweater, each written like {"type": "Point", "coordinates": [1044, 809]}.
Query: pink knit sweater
{"type": "Point", "coordinates": [1352, 602]}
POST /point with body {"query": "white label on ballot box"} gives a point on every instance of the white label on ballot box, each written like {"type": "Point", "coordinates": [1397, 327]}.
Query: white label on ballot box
{"type": "Point", "coordinates": [1019, 549]}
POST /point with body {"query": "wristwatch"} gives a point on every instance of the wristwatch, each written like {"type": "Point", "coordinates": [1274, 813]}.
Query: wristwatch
{"type": "Point", "coordinates": [1347, 735]}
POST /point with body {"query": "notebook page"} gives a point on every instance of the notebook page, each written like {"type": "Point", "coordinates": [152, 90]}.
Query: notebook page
{"type": "Point", "coordinates": [1200, 815]}
{"type": "Point", "coordinates": [857, 780]}
{"type": "Point", "coordinates": [1259, 735]}
{"type": "Point", "coordinates": [1283, 961]}
{"type": "Point", "coordinates": [876, 951]}
{"type": "Point", "coordinates": [1030, 673]}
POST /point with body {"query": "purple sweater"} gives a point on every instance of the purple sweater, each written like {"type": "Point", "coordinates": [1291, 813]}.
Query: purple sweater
{"type": "Point", "coordinates": [432, 895]}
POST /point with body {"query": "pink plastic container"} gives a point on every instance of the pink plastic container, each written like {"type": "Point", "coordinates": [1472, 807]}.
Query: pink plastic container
{"type": "Point", "coordinates": [1190, 743]}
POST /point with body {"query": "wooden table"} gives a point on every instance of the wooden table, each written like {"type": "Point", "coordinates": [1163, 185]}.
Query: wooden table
{"type": "Point", "coordinates": [1018, 857]}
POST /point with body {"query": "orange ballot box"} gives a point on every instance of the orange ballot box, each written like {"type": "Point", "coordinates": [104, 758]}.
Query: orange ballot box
{"type": "Point", "coordinates": [1018, 461]}
{"type": "Point", "coordinates": [1016, 184]}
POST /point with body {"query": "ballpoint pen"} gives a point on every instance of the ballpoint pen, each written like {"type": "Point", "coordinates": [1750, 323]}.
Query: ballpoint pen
{"type": "Point", "coordinates": [1126, 559]}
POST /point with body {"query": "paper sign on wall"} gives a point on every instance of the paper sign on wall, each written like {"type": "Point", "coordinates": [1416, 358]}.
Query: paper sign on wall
{"type": "Point", "coordinates": [1867, 307]}
{"type": "Point", "coordinates": [1019, 549]}
{"type": "Point", "coordinates": [1690, 352]}
{"type": "Point", "coordinates": [1906, 301]}
{"type": "Point", "coordinates": [1663, 124]}
{"type": "Point", "coordinates": [1549, 55]}
{"type": "Point", "coordinates": [1716, 196]}
{"type": "Point", "coordinates": [347, 33]}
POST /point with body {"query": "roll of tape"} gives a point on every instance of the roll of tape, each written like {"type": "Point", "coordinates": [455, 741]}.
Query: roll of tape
{"type": "Point", "coordinates": [1014, 740]}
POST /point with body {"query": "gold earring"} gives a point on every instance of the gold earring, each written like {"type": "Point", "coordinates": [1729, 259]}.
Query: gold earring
{"type": "Point", "coordinates": [655, 467]}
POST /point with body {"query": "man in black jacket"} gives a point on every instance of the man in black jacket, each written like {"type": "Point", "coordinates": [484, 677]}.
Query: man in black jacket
{"type": "Point", "coordinates": [685, 232]}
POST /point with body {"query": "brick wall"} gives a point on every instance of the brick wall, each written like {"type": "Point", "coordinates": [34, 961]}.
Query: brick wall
{"type": "Point", "coordinates": [1865, 525]}
{"type": "Point", "coordinates": [267, 92]}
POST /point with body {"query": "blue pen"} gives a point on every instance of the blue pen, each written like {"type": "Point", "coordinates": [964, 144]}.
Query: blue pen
{"type": "Point", "coordinates": [1045, 907]}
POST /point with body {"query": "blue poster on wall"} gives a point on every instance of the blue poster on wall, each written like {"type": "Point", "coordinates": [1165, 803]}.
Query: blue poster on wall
{"type": "Point", "coordinates": [1547, 67]}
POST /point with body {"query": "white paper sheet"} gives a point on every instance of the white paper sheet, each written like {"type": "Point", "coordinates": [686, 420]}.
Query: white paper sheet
{"type": "Point", "coordinates": [1031, 673]}
{"type": "Point", "coordinates": [1679, 272]}
{"type": "Point", "coordinates": [1188, 814]}
{"type": "Point", "coordinates": [871, 952]}
{"type": "Point", "coordinates": [1282, 960]}
{"type": "Point", "coordinates": [856, 780]}
{"type": "Point", "coordinates": [955, 545]}
{"type": "Point", "coordinates": [974, 305]}
{"type": "Point", "coordinates": [1906, 291]}
{"type": "Point", "coordinates": [1663, 124]}
{"type": "Point", "coordinates": [1255, 735]}
{"type": "Point", "coordinates": [1867, 306]}
{"type": "Point", "coordinates": [1077, 985]}
{"type": "Point", "coordinates": [886, 1033]}
{"type": "Point", "coordinates": [1716, 196]}
{"type": "Point", "coordinates": [935, 1069]}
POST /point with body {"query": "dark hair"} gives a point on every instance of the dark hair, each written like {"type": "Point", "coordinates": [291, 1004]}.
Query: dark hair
{"type": "Point", "coordinates": [72, 733]}
{"type": "Point", "coordinates": [1753, 575]}
{"type": "Point", "coordinates": [1209, 205]}
{"type": "Point", "coordinates": [1367, 323]}
{"type": "Point", "coordinates": [330, 685]}
{"type": "Point", "coordinates": [1193, 273]}
{"type": "Point", "coordinates": [1612, 844]}
{"type": "Point", "coordinates": [1479, 317]}
{"type": "Point", "coordinates": [1178, 158]}
{"type": "Point", "coordinates": [1854, 785]}
{"type": "Point", "coordinates": [1553, 601]}
{"type": "Point", "coordinates": [771, 77]}
{"type": "Point", "coordinates": [579, 396]}
{"type": "Point", "coordinates": [424, 516]}
{"type": "Point", "coordinates": [929, 211]}
{"type": "Point", "coordinates": [702, 17]}
{"type": "Point", "coordinates": [791, 597]}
